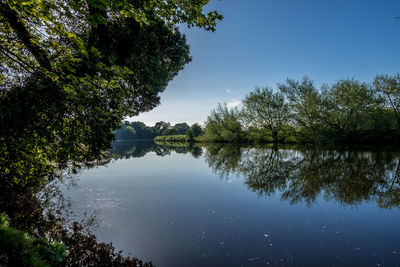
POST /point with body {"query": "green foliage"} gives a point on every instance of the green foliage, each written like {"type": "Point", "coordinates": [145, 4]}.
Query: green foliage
{"type": "Point", "coordinates": [138, 130]}
{"type": "Point", "coordinates": [44, 229]}
{"type": "Point", "coordinates": [195, 131]}
{"type": "Point", "coordinates": [171, 138]}
{"type": "Point", "coordinates": [178, 129]}
{"type": "Point", "coordinates": [389, 87]}
{"type": "Point", "coordinates": [304, 103]}
{"type": "Point", "coordinates": [223, 125]}
{"type": "Point", "coordinates": [265, 109]}
{"type": "Point", "coordinates": [160, 127]}
{"type": "Point", "coordinates": [126, 132]}
{"type": "Point", "coordinates": [345, 108]}
{"type": "Point", "coordinates": [72, 70]}
{"type": "Point", "coordinates": [346, 112]}
{"type": "Point", "coordinates": [23, 250]}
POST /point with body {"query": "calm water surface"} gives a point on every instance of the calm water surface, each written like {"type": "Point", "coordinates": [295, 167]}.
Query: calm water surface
{"type": "Point", "coordinates": [228, 205]}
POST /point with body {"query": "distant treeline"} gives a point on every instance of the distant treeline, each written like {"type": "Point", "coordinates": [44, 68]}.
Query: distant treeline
{"type": "Point", "coordinates": [139, 130]}
{"type": "Point", "coordinates": [348, 111]}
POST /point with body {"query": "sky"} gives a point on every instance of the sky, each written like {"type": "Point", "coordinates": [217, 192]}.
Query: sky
{"type": "Point", "coordinates": [264, 42]}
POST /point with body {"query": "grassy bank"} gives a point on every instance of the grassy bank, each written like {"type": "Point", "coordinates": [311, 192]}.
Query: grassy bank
{"type": "Point", "coordinates": [179, 138]}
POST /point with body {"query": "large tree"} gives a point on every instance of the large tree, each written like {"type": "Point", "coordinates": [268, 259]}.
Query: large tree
{"type": "Point", "coordinates": [264, 108]}
{"type": "Point", "coordinates": [346, 108]}
{"type": "Point", "coordinates": [304, 102]}
{"type": "Point", "coordinates": [71, 70]}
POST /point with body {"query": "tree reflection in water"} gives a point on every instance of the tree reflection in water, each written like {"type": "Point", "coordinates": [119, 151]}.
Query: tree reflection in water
{"type": "Point", "coordinates": [42, 212]}
{"type": "Point", "coordinates": [303, 174]}
{"type": "Point", "coordinates": [299, 174]}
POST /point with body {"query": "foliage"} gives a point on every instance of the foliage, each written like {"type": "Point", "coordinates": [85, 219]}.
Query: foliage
{"type": "Point", "coordinates": [304, 102]}
{"type": "Point", "coordinates": [171, 138]}
{"type": "Point", "coordinates": [389, 87]}
{"type": "Point", "coordinates": [160, 127]}
{"type": "Point", "coordinates": [223, 125]}
{"type": "Point", "coordinates": [345, 108]}
{"type": "Point", "coordinates": [138, 130]}
{"type": "Point", "coordinates": [265, 109]}
{"type": "Point", "coordinates": [178, 129]}
{"type": "Point", "coordinates": [20, 249]}
{"type": "Point", "coordinates": [125, 132]}
{"type": "Point", "coordinates": [194, 131]}
{"type": "Point", "coordinates": [349, 112]}
{"type": "Point", "coordinates": [142, 131]}
{"type": "Point", "coordinates": [44, 229]}
{"type": "Point", "coordinates": [72, 70]}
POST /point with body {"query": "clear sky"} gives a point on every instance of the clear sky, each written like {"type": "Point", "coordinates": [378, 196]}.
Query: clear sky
{"type": "Point", "coordinates": [264, 42]}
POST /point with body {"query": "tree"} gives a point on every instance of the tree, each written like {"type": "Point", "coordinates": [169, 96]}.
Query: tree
{"type": "Point", "coordinates": [179, 128]}
{"type": "Point", "coordinates": [194, 131]}
{"type": "Point", "coordinates": [126, 132]}
{"type": "Point", "coordinates": [265, 109]}
{"type": "Point", "coordinates": [346, 107]}
{"type": "Point", "coordinates": [160, 127]}
{"type": "Point", "coordinates": [72, 70]}
{"type": "Point", "coordinates": [304, 102]}
{"type": "Point", "coordinates": [223, 125]}
{"type": "Point", "coordinates": [142, 130]}
{"type": "Point", "coordinates": [389, 87]}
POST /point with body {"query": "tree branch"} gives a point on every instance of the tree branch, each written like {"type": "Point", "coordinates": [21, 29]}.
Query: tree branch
{"type": "Point", "coordinates": [11, 15]}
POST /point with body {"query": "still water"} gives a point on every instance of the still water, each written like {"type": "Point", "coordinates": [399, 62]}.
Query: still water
{"type": "Point", "coordinates": [226, 205]}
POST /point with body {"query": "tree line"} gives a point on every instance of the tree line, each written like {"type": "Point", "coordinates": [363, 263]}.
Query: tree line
{"type": "Point", "coordinates": [139, 130]}
{"type": "Point", "coordinates": [349, 111]}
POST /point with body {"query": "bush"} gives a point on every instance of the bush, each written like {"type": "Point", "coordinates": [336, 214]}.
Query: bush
{"type": "Point", "coordinates": [22, 250]}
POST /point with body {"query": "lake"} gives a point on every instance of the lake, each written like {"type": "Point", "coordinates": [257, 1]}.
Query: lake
{"type": "Point", "coordinates": [229, 205]}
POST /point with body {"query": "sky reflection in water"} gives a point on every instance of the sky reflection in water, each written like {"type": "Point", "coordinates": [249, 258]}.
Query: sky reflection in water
{"type": "Point", "coordinates": [227, 205]}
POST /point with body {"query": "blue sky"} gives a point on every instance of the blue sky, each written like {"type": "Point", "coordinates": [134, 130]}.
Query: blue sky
{"type": "Point", "coordinates": [264, 42]}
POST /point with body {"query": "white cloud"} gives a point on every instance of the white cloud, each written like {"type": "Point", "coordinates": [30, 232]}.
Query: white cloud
{"type": "Point", "coordinates": [233, 103]}
{"type": "Point", "coordinates": [228, 91]}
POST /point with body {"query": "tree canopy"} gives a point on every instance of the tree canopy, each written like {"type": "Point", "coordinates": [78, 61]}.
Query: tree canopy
{"type": "Point", "coordinates": [264, 108]}
{"type": "Point", "coordinates": [348, 111]}
{"type": "Point", "coordinates": [71, 70]}
{"type": "Point", "coordinates": [223, 125]}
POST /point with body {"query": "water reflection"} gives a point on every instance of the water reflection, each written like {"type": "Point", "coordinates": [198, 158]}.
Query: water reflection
{"type": "Point", "coordinates": [180, 214]}
{"type": "Point", "coordinates": [43, 212]}
{"type": "Point", "coordinates": [138, 149]}
{"type": "Point", "coordinates": [301, 174]}
{"type": "Point", "coordinates": [172, 203]}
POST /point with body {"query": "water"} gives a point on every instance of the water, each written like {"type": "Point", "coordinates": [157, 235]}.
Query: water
{"type": "Point", "coordinates": [226, 205]}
